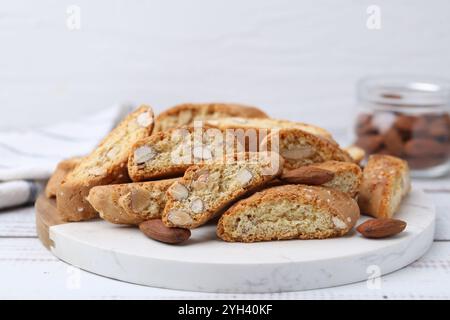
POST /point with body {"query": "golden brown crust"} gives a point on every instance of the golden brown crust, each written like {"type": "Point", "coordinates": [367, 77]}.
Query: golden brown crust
{"type": "Point", "coordinates": [170, 153]}
{"type": "Point", "coordinates": [265, 126]}
{"type": "Point", "coordinates": [342, 211]}
{"type": "Point", "coordinates": [130, 203]}
{"type": "Point", "coordinates": [300, 148]}
{"type": "Point", "coordinates": [206, 190]}
{"type": "Point", "coordinates": [385, 182]}
{"type": "Point", "coordinates": [187, 113]}
{"type": "Point", "coordinates": [62, 169]}
{"type": "Point", "coordinates": [107, 164]}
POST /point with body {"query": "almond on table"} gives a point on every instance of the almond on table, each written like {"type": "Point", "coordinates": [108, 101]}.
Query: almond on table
{"type": "Point", "coordinates": [381, 228]}
{"type": "Point", "coordinates": [156, 230]}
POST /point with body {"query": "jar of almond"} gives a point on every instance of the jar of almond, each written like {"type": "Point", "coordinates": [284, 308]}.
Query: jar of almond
{"type": "Point", "coordinates": [407, 117]}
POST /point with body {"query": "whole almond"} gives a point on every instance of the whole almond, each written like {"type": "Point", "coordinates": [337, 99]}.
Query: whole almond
{"type": "Point", "coordinates": [421, 127]}
{"type": "Point", "coordinates": [370, 143]}
{"type": "Point", "coordinates": [156, 230]}
{"type": "Point", "coordinates": [381, 228]}
{"type": "Point", "coordinates": [393, 142]}
{"type": "Point", "coordinates": [307, 175]}
{"type": "Point", "coordinates": [439, 128]}
{"type": "Point", "coordinates": [425, 162]}
{"type": "Point", "coordinates": [421, 147]}
{"type": "Point", "coordinates": [364, 125]}
{"type": "Point", "coordinates": [405, 123]}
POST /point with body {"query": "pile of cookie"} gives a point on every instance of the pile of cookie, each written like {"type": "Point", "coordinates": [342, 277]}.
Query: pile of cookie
{"type": "Point", "coordinates": [256, 178]}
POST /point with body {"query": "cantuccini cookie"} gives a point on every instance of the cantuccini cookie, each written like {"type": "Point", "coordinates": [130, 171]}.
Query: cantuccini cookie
{"type": "Point", "coordinates": [171, 153]}
{"type": "Point", "coordinates": [300, 148]}
{"type": "Point", "coordinates": [265, 126]}
{"type": "Point", "coordinates": [130, 203]}
{"type": "Point", "coordinates": [107, 164]}
{"type": "Point", "coordinates": [62, 169]}
{"type": "Point", "coordinates": [289, 212]}
{"type": "Point", "coordinates": [186, 114]}
{"type": "Point", "coordinates": [206, 190]}
{"type": "Point", "coordinates": [347, 176]}
{"type": "Point", "coordinates": [385, 182]}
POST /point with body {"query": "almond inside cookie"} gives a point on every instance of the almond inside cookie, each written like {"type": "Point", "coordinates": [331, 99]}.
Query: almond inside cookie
{"type": "Point", "coordinates": [207, 189]}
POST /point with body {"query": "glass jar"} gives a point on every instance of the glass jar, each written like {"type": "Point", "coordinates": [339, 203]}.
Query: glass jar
{"type": "Point", "coordinates": [407, 117]}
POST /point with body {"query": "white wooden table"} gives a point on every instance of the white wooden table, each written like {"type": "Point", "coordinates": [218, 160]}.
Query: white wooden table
{"type": "Point", "coordinates": [28, 270]}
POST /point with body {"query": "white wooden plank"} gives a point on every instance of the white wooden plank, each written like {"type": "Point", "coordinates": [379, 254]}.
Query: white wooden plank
{"type": "Point", "coordinates": [29, 271]}
{"type": "Point", "coordinates": [17, 222]}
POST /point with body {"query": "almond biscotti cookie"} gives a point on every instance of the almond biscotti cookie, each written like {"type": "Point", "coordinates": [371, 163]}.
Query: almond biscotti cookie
{"type": "Point", "coordinates": [61, 171]}
{"type": "Point", "coordinates": [289, 212]}
{"type": "Point", "coordinates": [300, 148]}
{"type": "Point", "coordinates": [385, 182]}
{"type": "Point", "coordinates": [206, 190]}
{"type": "Point", "coordinates": [347, 176]}
{"type": "Point", "coordinates": [130, 203]}
{"type": "Point", "coordinates": [266, 125]}
{"type": "Point", "coordinates": [107, 164]}
{"type": "Point", "coordinates": [171, 153]}
{"type": "Point", "coordinates": [186, 114]}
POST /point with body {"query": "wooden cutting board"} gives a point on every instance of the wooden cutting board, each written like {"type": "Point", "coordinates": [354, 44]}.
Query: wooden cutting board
{"type": "Point", "coordinates": [46, 217]}
{"type": "Point", "coordinates": [204, 263]}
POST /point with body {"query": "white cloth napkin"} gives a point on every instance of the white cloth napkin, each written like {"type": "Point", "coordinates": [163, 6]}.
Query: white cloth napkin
{"type": "Point", "coordinates": [28, 157]}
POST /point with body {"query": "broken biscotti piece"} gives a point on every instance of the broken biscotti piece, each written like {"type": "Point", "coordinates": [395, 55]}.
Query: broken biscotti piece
{"type": "Point", "coordinates": [107, 164]}
{"type": "Point", "coordinates": [385, 182]}
{"type": "Point", "coordinates": [358, 154]}
{"type": "Point", "coordinates": [342, 176]}
{"type": "Point", "coordinates": [300, 148]}
{"type": "Point", "coordinates": [186, 114]}
{"type": "Point", "coordinates": [130, 203]}
{"type": "Point", "coordinates": [347, 176]}
{"type": "Point", "coordinates": [62, 169]}
{"type": "Point", "coordinates": [265, 126]}
{"type": "Point", "coordinates": [206, 190]}
{"type": "Point", "coordinates": [170, 153]}
{"type": "Point", "coordinates": [289, 212]}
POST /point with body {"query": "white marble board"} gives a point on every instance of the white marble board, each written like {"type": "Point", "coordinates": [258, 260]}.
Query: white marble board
{"type": "Point", "coordinates": [207, 264]}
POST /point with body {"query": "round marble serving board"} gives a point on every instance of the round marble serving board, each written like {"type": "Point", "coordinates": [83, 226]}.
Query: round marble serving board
{"type": "Point", "coordinates": [204, 263]}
